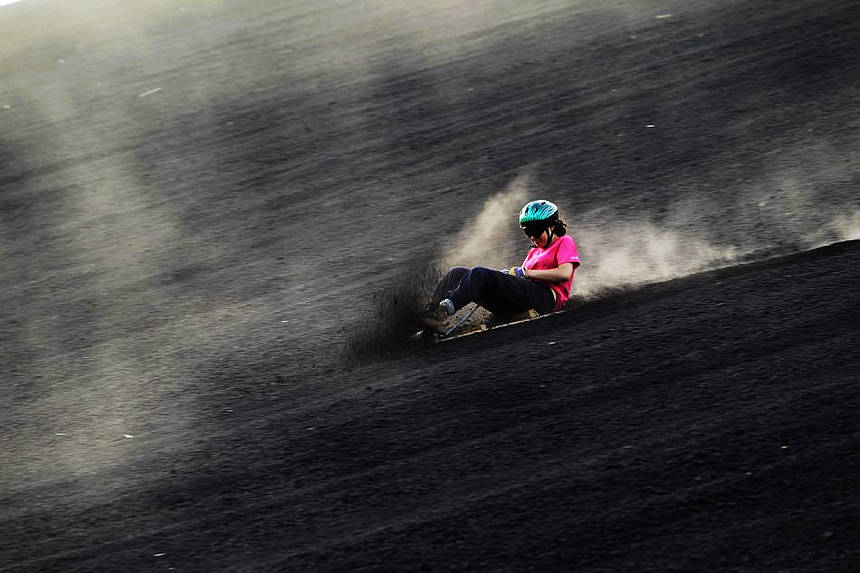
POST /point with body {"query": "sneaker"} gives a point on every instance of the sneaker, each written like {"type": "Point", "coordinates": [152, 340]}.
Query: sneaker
{"type": "Point", "coordinates": [446, 309]}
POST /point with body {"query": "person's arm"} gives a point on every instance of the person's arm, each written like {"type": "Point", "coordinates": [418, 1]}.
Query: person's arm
{"type": "Point", "coordinates": [556, 275]}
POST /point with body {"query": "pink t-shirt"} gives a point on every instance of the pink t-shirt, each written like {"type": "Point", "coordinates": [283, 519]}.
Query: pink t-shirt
{"type": "Point", "coordinates": [563, 250]}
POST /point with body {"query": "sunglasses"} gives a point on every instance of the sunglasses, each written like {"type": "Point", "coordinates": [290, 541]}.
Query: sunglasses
{"type": "Point", "coordinates": [533, 230]}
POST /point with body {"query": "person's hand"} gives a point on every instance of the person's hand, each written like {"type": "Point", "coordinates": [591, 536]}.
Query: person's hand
{"type": "Point", "coordinates": [516, 271]}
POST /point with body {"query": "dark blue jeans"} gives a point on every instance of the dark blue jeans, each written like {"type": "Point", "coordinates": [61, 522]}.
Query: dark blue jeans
{"type": "Point", "coordinates": [500, 293]}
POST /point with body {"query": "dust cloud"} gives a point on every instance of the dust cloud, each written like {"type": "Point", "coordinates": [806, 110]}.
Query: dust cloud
{"type": "Point", "coordinates": [793, 204]}
{"type": "Point", "coordinates": [848, 226]}
{"type": "Point", "coordinates": [618, 255]}
{"type": "Point", "coordinates": [615, 253]}
{"type": "Point", "coordinates": [488, 240]}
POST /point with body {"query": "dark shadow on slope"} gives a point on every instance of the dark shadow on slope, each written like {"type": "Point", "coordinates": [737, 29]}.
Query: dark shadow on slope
{"type": "Point", "coordinates": [634, 433]}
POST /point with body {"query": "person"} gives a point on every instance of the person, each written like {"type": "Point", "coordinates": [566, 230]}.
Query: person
{"type": "Point", "coordinates": [541, 282]}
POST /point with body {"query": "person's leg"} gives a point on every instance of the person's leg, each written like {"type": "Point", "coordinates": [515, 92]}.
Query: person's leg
{"type": "Point", "coordinates": [473, 284]}
{"type": "Point", "coordinates": [512, 295]}
{"type": "Point", "coordinates": [501, 293]}
{"type": "Point", "coordinates": [448, 283]}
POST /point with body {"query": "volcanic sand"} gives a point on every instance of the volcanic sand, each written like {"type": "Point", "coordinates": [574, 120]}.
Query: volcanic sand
{"type": "Point", "coordinates": [212, 218]}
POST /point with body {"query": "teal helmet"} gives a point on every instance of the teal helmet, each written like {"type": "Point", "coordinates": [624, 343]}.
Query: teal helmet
{"type": "Point", "coordinates": [540, 211]}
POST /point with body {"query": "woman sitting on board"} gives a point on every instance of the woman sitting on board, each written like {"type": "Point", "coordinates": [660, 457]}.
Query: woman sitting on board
{"type": "Point", "coordinates": [542, 282]}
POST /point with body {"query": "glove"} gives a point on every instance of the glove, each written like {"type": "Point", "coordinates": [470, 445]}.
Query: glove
{"type": "Point", "coordinates": [516, 271]}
